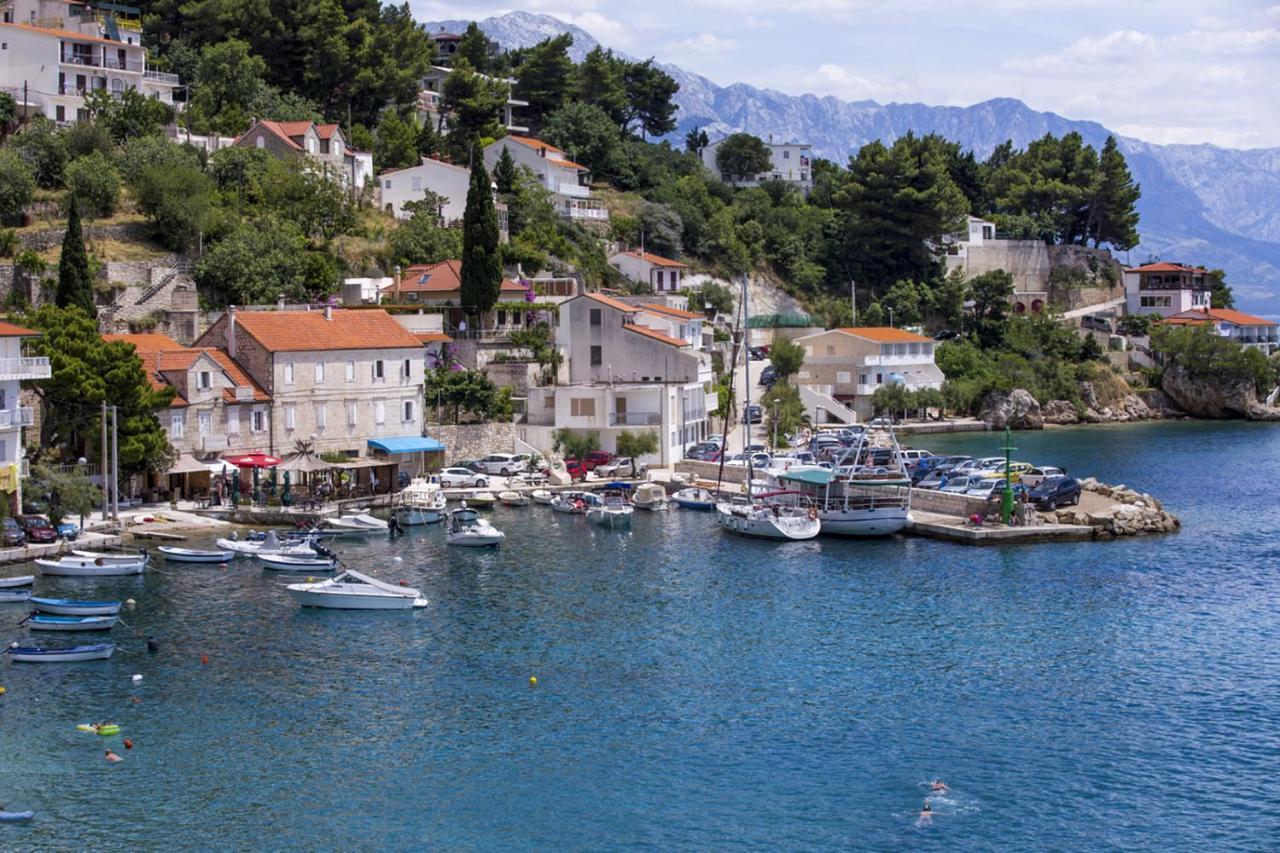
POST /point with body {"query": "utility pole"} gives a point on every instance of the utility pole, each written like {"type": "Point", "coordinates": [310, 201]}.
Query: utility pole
{"type": "Point", "coordinates": [853, 300]}
{"type": "Point", "coordinates": [106, 496]}
{"type": "Point", "coordinates": [115, 463]}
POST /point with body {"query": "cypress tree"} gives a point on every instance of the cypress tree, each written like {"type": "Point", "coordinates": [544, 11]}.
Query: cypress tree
{"type": "Point", "coordinates": [1118, 196]}
{"type": "Point", "coordinates": [75, 287]}
{"type": "Point", "coordinates": [481, 263]}
{"type": "Point", "coordinates": [504, 172]}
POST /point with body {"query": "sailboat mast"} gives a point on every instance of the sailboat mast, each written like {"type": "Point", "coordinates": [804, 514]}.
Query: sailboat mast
{"type": "Point", "coordinates": [746, 368]}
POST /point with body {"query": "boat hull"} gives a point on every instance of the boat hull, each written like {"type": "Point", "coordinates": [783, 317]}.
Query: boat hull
{"type": "Point", "coordinates": [80, 568]}
{"type": "Point", "coordinates": [475, 540]}
{"type": "Point", "coordinates": [185, 555]}
{"type": "Point", "coordinates": [414, 516]}
{"type": "Point", "coordinates": [609, 518]}
{"type": "Point", "coordinates": [32, 654]}
{"type": "Point", "coordinates": [349, 601]}
{"type": "Point", "coordinates": [700, 506]}
{"type": "Point", "coordinates": [790, 529]}
{"type": "Point", "coordinates": [294, 564]}
{"type": "Point", "coordinates": [84, 623]}
{"type": "Point", "coordinates": [863, 522]}
{"type": "Point", "coordinates": [64, 607]}
{"type": "Point", "coordinates": [20, 580]}
{"type": "Point", "coordinates": [14, 595]}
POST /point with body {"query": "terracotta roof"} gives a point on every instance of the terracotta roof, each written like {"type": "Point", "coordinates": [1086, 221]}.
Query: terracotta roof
{"type": "Point", "coordinates": [160, 353]}
{"type": "Point", "coordinates": [673, 312]}
{"type": "Point", "coordinates": [9, 330]}
{"type": "Point", "coordinates": [655, 334]}
{"type": "Point", "coordinates": [561, 158]}
{"type": "Point", "coordinates": [886, 335]}
{"type": "Point", "coordinates": [656, 260]}
{"type": "Point", "coordinates": [433, 337]}
{"type": "Point", "coordinates": [309, 331]}
{"type": "Point", "coordinates": [148, 342]}
{"type": "Point", "coordinates": [174, 360]}
{"type": "Point", "coordinates": [1225, 315]}
{"type": "Point", "coordinates": [326, 131]}
{"type": "Point", "coordinates": [568, 164]}
{"type": "Point", "coordinates": [237, 375]}
{"type": "Point", "coordinates": [68, 34]}
{"type": "Point", "coordinates": [1165, 266]}
{"type": "Point", "coordinates": [444, 277]}
{"type": "Point", "coordinates": [276, 129]}
{"type": "Point", "coordinates": [611, 302]}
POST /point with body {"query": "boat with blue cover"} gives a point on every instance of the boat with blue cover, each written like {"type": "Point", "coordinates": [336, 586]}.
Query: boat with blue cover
{"type": "Point", "coordinates": [694, 498]}
{"type": "Point", "coordinates": [72, 654]}
{"type": "Point", "coordinates": [14, 595]}
{"type": "Point", "coordinates": [16, 817]}
{"type": "Point", "coordinates": [47, 622]}
{"type": "Point", "coordinates": [71, 607]}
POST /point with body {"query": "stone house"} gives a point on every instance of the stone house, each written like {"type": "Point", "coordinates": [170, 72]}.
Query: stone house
{"type": "Point", "coordinates": [322, 144]}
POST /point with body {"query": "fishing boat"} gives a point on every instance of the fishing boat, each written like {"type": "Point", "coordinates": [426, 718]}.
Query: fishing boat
{"type": "Point", "coordinates": [111, 556]}
{"type": "Point", "coordinates": [769, 518]}
{"type": "Point", "coordinates": [574, 503]}
{"type": "Point", "coordinates": [71, 607]}
{"type": "Point", "coordinates": [269, 545]}
{"type": "Point", "coordinates": [543, 496]}
{"type": "Point", "coordinates": [16, 817]}
{"type": "Point", "coordinates": [17, 581]}
{"type": "Point", "coordinates": [195, 555]}
{"type": "Point", "coordinates": [853, 499]}
{"type": "Point", "coordinates": [472, 532]}
{"type": "Point", "coordinates": [650, 496]}
{"type": "Point", "coordinates": [14, 595]}
{"type": "Point", "coordinates": [480, 500]}
{"type": "Point", "coordinates": [46, 622]}
{"type": "Point", "coordinates": [351, 590]}
{"type": "Point", "coordinates": [360, 522]}
{"type": "Point", "coordinates": [285, 563]}
{"type": "Point", "coordinates": [421, 502]}
{"type": "Point", "coordinates": [38, 654]}
{"type": "Point", "coordinates": [91, 567]}
{"type": "Point", "coordinates": [694, 498]}
{"type": "Point", "coordinates": [612, 510]}
{"type": "Point", "coordinates": [510, 498]}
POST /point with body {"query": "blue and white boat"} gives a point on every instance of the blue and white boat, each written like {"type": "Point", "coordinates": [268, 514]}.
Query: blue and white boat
{"type": "Point", "coordinates": [47, 622]}
{"type": "Point", "coordinates": [693, 498]}
{"type": "Point", "coordinates": [17, 581]}
{"type": "Point", "coordinates": [71, 607]}
{"type": "Point", "coordinates": [14, 595]}
{"type": "Point", "coordinates": [38, 654]}
{"type": "Point", "coordinates": [16, 817]}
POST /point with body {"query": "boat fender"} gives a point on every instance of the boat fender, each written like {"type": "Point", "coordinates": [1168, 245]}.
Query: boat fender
{"type": "Point", "coordinates": [404, 582]}
{"type": "Point", "coordinates": [397, 559]}
{"type": "Point", "coordinates": [533, 681]}
{"type": "Point", "coordinates": [130, 602]}
{"type": "Point", "coordinates": [2, 691]}
{"type": "Point", "coordinates": [137, 679]}
{"type": "Point", "coordinates": [153, 646]}
{"type": "Point", "coordinates": [204, 660]}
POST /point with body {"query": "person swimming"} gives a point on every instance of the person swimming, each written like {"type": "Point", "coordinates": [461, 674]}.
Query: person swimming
{"type": "Point", "coordinates": [111, 756]}
{"type": "Point", "coordinates": [938, 785]}
{"type": "Point", "coordinates": [926, 814]}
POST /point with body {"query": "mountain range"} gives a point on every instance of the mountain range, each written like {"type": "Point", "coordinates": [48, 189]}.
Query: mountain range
{"type": "Point", "coordinates": [1200, 204]}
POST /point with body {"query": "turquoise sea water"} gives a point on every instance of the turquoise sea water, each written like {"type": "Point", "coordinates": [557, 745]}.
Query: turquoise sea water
{"type": "Point", "coordinates": [698, 691]}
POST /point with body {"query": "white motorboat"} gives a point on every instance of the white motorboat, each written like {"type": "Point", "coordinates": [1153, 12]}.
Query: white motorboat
{"type": "Point", "coordinates": [36, 654]}
{"type": "Point", "coordinates": [351, 590]}
{"type": "Point", "coordinates": [651, 496]}
{"type": "Point", "coordinates": [285, 563]}
{"type": "Point", "coordinates": [9, 596]}
{"type": "Point", "coordinates": [612, 511]}
{"type": "Point", "coordinates": [269, 545]}
{"type": "Point", "coordinates": [360, 522]}
{"type": "Point", "coordinates": [694, 498]}
{"type": "Point", "coordinates": [47, 622]}
{"type": "Point", "coordinates": [480, 500]}
{"type": "Point", "coordinates": [87, 567]}
{"type": "Point", "coordinates": [17, 581]}
{"type": "Point", "coordinates": [472, 532]}
{"type": "Point", "coordinates": [195, 555]}
{"type": "Point", "coordinates": [574, 503]}
{"type": "Point", "coordinates": [111, 556]}
{"type": "Point", "coordinates": [856, 500]}
{"type": "Point", "coordinates": [421, 502]}
{"type": "Point", "coordinates": [543, 496]}
{"type": "Point", "coordinates": [769, 520]}
{"type": "Point", "coordinates": [513, 499]}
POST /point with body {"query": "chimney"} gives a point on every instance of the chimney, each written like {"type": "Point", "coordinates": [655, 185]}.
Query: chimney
{"type": "Point", "coordinates": [328, 312]}
{"type": "Point", "coordinates": [231, 330]}
{"type": "Point", "coordinates": [280, 303]}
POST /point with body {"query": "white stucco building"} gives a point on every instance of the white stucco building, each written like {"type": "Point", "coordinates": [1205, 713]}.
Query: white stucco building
{"type": "Point", "coordinates": [54, 52]}
{"type": "Point", "coordinates": [559, 175]}
{"type": "Point", "coordinates": [398, 187]}
{"type": "Point", "coordinates": [790, 162]}
{"type": "Point", "coordinates": [1165, 289]}
{"type": "Point", "coordinates": [14, 368]}
{"type": "Point", "coordinates": [849, 365]}
{"type": "Point", "coordinates": [431, 91]}
{"type": "Point", "coordinates": [662, 274]}
{"type": "Point", "coordinates": [1245, 329]}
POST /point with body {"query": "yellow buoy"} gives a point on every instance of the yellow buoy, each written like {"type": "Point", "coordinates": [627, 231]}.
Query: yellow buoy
{"type": "Point", "coordinates": [533, 681]}
{"type": "Point", "coordinates": [2, 691]}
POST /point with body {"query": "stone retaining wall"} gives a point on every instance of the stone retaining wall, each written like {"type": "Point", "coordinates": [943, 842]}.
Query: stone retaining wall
{"type": "Point", "coordinates": [473, 441]}
{"type": "Point", "coordinates": [47, 238]}
{"type": "Point", "coordinates": [1130, 513]}
{"type": "Point", "coordinates": [946, 503]}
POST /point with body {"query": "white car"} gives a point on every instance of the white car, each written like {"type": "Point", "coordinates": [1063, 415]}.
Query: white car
{"type": "Point", "coordinates": [1038, 475]}
{"type": "Point", "coordinates": [505, 464]}
{"type": "Point", "coordinates": [621, 467]}
{"type": "Point", "coordinates": [453, 478]}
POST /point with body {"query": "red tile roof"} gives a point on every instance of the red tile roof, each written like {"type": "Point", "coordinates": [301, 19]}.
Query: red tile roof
{"type": "Point", "coordinates": [236, 374]}
{"type": "Point", "coordinates": [309, 331]}
{"type": "Point", "coordinates": [9, 330]}
{"type": "Point", "coordinates": [326, 131]}
{"type": "Point", "coordinates": [160, 353]}
{"type": "Point", "coordinates": [673, 312]}
{"type": "Point", "coordinates": [611, 302]}
{"type": "Point", "coordinates": [656, 260]}
{"type": "Point", "coordinates": [1225, 315]}
{"type": "Point", "coordinates": [444, 277]}
{"type": "Point", "coordinates": [655, 334]}
{"type": "Point", "coordinates": [276, 129]}
{"type": "Point", "coordinates": [886, 335]}
{"type": "Point", "coordinates": [561, 159]}
{"type": "Point", "coordinates": [148, 342]}
{"type": "Point", "coordinates": [433, 337]}
{"type": "Point", "coordinates": [1165, 266]}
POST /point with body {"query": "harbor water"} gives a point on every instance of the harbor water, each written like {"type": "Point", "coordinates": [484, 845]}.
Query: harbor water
{"type": "Point", "coordinates": [696, 690]}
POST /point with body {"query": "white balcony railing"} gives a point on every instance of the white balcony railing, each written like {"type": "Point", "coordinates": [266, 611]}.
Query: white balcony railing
{"type": "Point", "coordinates": [162, 77]}
{"type": "Point", "coordinates": [569, 190]}
{"type": "Point", "coordinates": [23, 416]}
{"type": "Point", "coordinates": [25, 368]}
{"type": "Point", "coordinates": [634, 418]}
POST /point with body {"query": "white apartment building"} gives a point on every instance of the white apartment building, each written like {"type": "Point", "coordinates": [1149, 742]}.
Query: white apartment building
{"type": "Point", "coordinates": [1165, 289]}
{"type": "Point", "coordinates": [14, 369]}
{"type": "Point", "coordinates": [398, 187]}
{"type": "Point", "coordinates": [1245, 329]}
{"type": "Point", "coordinates": [563, 178]}
{"type": "Point", "coordinates": [848, 365]}
{"type": "Point", "coordinates": [54, 52]}
{"type": "Point", "coordinates": [791, 162]}
{"type": "Point", "coordinates": [662, 274]}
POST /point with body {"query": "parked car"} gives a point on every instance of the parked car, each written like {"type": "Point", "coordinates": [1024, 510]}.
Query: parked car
{"type": "Point", "coordinates": [911, 458]}
{"type": "Point", "coordinates": [704, 452]}
{"type": "Point", "coordinates": [933, 480]}
{"type": "Point", "coordinates": [470, 465]}
{"type": "Point", "coordinates": [68, 531]}
{"type": "Point", "coordinates": [1039, 474]}
{"type": "Point", "coordinates": [975, 466]}
{"type": "Point", "coordinates": [621, 467]}
{"type": "Point", "coordinates": [768, 376]}
{"type": "Point", "coordinates": [946, 335]}
{"type": "Point", "coordinates": [1055, 492]}
{"type": "Point", "coordinates": [757, 353]}
{"type": "Point", "coordinates": [37, 528]}
{"type": "Point", "coordinates": [882, 422]}
{"type": "Point", "coordinates": [1092, 321]}
{"type": "Point", "coordinates": [11, 533]}
{"type": "Point", "coordinates": [717, 440]}
{"type": "Point", "coordinates": [575, 469]}
{"type": "Point", "coordinates": [961, 484]}
{"type": "Point", "coordinates": [458, 477]}
{"type": "Point", "coordinates": [1016, 470]}
{"type": "Point", "coordinates": [987, 488]}
{"type": "Point", "coordinates": [595, 459]}
{"type": "Point", "coordinates": [754, 448]}
{"type": "Point", "coordinates": [505, 464]}
{"type": "Point", "coordinates": [949, 464]}
{"type": "Point", "coordinates": [752, 414]}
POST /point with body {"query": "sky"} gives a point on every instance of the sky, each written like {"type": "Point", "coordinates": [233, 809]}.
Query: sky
{"type": "Point", "coordinates": [1175, 71]}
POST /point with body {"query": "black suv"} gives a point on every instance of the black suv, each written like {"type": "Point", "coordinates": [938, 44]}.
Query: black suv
{"type": "Point", "coordinates": [768, 376]}
{"type": "Point", "coordinates": [1055, 492]}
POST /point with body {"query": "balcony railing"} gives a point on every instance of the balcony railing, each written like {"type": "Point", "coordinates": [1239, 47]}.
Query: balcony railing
{"type": "Point", "coordinates": [116, 64]}
{"type": "Point", "coordinates": [82, 59]}
{"type": "Point", "coordinates": [634, 419]}
{"type": "Point", "coordinates": [569, 190]}
{"type": "Point", "coordinates": [25, 368]}
{"type": "Point", "coordinates": [19, 417]}
{"type": "Point", "coordinates": [163, 77]}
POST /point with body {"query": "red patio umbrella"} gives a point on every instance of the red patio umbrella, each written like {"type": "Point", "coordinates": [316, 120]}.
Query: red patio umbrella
{"type": "Point", "coordinates": [257, 459]}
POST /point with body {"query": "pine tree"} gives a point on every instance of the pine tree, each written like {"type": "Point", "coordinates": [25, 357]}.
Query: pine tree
{"type": "Point", "coordinates": [598, 81]}
{"type": "Point", "coordinates": [543, 79]}
{"type": "Point", "coordinates": [481, 263]}
{"type": "Point", "coordinates": [504, 172]}
{"type": "Point", "coordinates": [1117, 222]}
{"type": "Point", "coordinates": [475, 48]}
{"type": "Point", "coordinates": [75, 286]}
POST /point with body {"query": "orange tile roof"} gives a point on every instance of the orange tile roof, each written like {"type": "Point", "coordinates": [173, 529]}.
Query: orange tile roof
{"type": "Point", "coordinates": [611, 302]}
{"type": "Point", "coordinates": [1225, 315]}
{"type": "Point", "coordinates": [656, 260]}
{"type": "Point", "coordinates": [561, 160]}
{"type": "Point", "coordinates": [9, 330]}
{"type": "Point", "coordinates": [148, 342]}
{"type": "Point", "coordinates": [655, 334]}
{"type": "Point", "coordinates": [160, 353]}
{"type": "Point", "coordinates": [444, 277]}
{"type": "Point", "coordinates": [433, 337]}
{"type": "Point", "coordinates": [1165, 266]}
{"type": "Point", "coordinates": [276, 129]}
{"type": "Point", "coordinates": [236, 374]}
{"type": "Point", "coordinates": [175, 360]}
{"type": "Point", "coordinates": [673, 312]}
{"type": "Point", "coordinates": [67, 34]}
{"type": "Point", "coordinates": [326, 131]}
{"type": "Point", "coordinates": [886, 335]}
{"type": "Point", "coordinates": [309, 331]}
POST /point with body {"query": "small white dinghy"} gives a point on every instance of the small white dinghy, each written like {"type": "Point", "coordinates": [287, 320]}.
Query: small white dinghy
{"type": "Point", "coordinates": [111, 556]}
{"type": "Point", "coordinates": [543, 496]}
{"type": "Point", "coordinates": [613, 511]}
{"type": "Point", "coordinates": [270, 545]}
{"type": "Point", "coordinates": [71, 607]}
{"type": "Point", "coordinates": [480, 500]}
{"type": "Point", "coordinates": [17, 581]}
{"type": "Point", "coordinates": [472, 532]}
{"type": "Point", "coordinates": [360, 522]}
{"type": "Point", "coordinates": [351, 590]}
{"type": "Point", "coordinates": [91, 567]}
{"type": "Point", "coordinates": [694, 498]}
{"type": "Point", "coordinates": [195, 555]}
{"type": "Point", "coordinates": [513, 499]}
{"type": "Point", "coordinates": [37, 654]}
{"type": "Point", "coordinates": [46, 622]}
{"type": "Point", "coordinates": [14, 595]}
{"type": "Point", "coordinates": [285, 563]}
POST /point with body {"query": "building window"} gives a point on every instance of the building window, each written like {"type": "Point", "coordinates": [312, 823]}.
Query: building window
{"type": "Point", "coordinates": [408, 411]}
{"type": "Point", "coordinates": [259, 420]}
{"type": "Point", "coordinates": [60, 113]}
{"type": "Point", "coordinates": [387, 184]}
{"type": "Point", "coordinates": [175, 425]}
{"type": "Point", "coordinates": [406, 369]}
{"type": "Point", "coordinates": [322, 411]}
{"type": "Point", "coordinates": [204, 380]}
{"type": "Point", "coordinates": [582, 407]}
{"type": "Point", "coordinates": [206, 423]}
{"type": "Point", "coordinates": [862, 379]}
{"type": "Point", "coordinates": [379, 413]}
{"type": "Point", "coordinates": [595, 316]}
{"type": "Point", "coordinates": [288, 373]}
{"type": "Point", "coordinates": [260, 142]}
{"type": "Point", "coordinates": [233, 420]}
{"type": "Point", "coordinates": [659, 279]}
{"type": "Point", "coordinates": [319, 372]}
{"type": "Point", "coordinates": [351, 413]}
{"type": "Point", "coordinates": [597, 356]}
{"type": "Point", "coordinates": [378, 369]}
{"type": "Point", "coordinates": [351, 371]}
{"type": "Point", "coordinates": [831, 350]}
{"type": "Point", "coordinates": [786, 154]}
{"type": "Point", "coordinates": [843, 377]}
{"type": "Point", "coordinates": [289, 422]}
{"type": "Point", "coordinates": [879, 378]}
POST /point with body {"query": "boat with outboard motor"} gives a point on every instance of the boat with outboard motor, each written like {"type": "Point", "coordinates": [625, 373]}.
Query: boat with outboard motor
{"type": "Point", "coordinates": [543, 496]}
{"type": "Point", "coordinates": [613, 510]}
{"type": "Point", "coordinates": [421, 502]}
{"type": "Point", "coordinates": [272, 544]}
{"type": "Point", "coordinates": [351, 590]}
{"type": "Point", "coordinates": [694, 498]}
{"type": "Point", "coordinates": [195, 555]}
{"type": "Point", "coordinates": [359, 522]}
{"type": "Point", "coordinates": [90, 567]}
{"type": "Point", "coordinates": [650, 496]}
{"type": "Point", "coordinates": [72, 607]}
{"type": "Point", "coordinates": [510, 498]}
{"type": "Point", "coordinates": [112, 556]}
{"type": "Point", "coordinates": [288, 563]}
{"type": "Point", "coordinates": [73, 654]}
{"type": "Point", "coordinates": [574, 503]}
{"type": "Point", "coordinates": [471, 531]}
{"type": "Point", "coordinates": [49, 622]}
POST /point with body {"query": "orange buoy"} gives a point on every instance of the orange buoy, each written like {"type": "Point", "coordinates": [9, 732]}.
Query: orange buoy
{"type": "Point", "coordinates": [128, 744]}
{"type": "Point", "coordinates": [204, 659]}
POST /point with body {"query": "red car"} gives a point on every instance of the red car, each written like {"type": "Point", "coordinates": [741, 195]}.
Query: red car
{"type": "Point", "coordinates": [596, 458]}
{"type": "Point", "coordinates": [37, 528]}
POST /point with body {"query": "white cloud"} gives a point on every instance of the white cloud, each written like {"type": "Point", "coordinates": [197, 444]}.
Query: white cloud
{"type": "Point", "coordinates": [701, 45]}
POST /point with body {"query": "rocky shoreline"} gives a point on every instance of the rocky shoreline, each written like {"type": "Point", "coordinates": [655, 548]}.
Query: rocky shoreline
{"type": "Point", "coordinates": [1115, 511]}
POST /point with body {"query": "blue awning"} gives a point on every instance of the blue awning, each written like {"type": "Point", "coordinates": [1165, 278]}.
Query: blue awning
{"type": "Point", "coordinates": [406, 444]}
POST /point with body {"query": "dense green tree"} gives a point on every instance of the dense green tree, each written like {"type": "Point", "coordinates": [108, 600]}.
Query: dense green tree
{"type": "Point", "coordinates": [475, 48]}
{"type": "Point", "coordinates": [43, 148]}
{"type": "Point", "coordinates": [1220, 293]}
{"type": "Point", "coordinates": [741, 156]}
{"type": "Point", "coordinates": [588, 135]}
{"type": "Point", "coordinates": [229, 80]}
{"type": "Point", "coordinates": [990, 292]}
{"type": "Point", "coordinates": [598, 82]}
{"type": "Point", "coordinates": [296, 191]}
{"type": "Point", "coordinates": [1116, 223]}
{"type": "Point", "coordinates": [481, 261]}
{"type": "Point", "coordinates": [910, 302]}
{"type": "Point", "coordinates": [8, 113]}
{"type": "Point", "coordinates": [395, 142]}
{"type": "Point", "coordinates": [787, 357]}
{"type": "Point", "coordinates": [129, 114]}
{"type": "Point", "coordinates": [633, 445]}
{"type": "Point", "coordinates": [141, 154]}
{"type": "Point", "coordinates": [88, 137]}
{"type": "Point", "coordinates": [17, 184]}
{"type": "Point", "coordinates": [660, 229]}
{"type": "Point", "coordinates": [1212, 359]}
{"type": "Point", "coordinates": [75, 283]}
{"type": "Point", "coordinates": [540, 342]}
{"type": "Point", "coordinates": [421, 239]}
{"type": "Point", "coordinates": [504, 172]}
{"type": "Point", "coordinates": [893, 399]}
{"type": "Point", "coordinates": [256, 264]}
{"type": "Point", "coordinates": [650, 90]}
{"type": "Point", "coordinates": [142, 442]}
{"type": "Point", "coordinates": [58, 494]}
{"type": "Point", "coordinates": [784, 412]}
{"type": "Point", "coordinates": [469, 394]}
{"type": "Point", "coordinates": [178, 200]}
{"type": "Point", "coordinates": [574, 445]}
{"type": "Point", "coordinates": [543, 79]}
{"type": "Point", "coordinates": [473, 104]}
{"type": "Point", "coordinates": [696, 140]}
{"type": "Point", "coordinates": [94, 183]}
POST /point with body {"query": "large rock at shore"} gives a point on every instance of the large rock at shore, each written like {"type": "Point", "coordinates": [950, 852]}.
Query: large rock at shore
{"type": "Point", "coordinates": [1060, 412]}
{"type": "Point", "coordinates": [1016, 409]}
{"type": "Point", "coordinates": [1205, 399]}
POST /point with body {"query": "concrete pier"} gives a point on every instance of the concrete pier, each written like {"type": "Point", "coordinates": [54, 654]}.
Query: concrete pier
{"type": "Point", "coordinates": [935, 525]}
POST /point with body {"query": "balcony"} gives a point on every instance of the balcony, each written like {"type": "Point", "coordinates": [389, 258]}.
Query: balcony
{"type": "Point", "coordinates": [569, 190]}
{"type": "Point", "coordinates": [25, 368]}
{"type": "Point", "coordinates": [163, 77]}
{"type": "Point", "coordinates": [134, 65]}
{"type": "Point", "coordinates": [634, 419]}
{"type": "Point", "coordinates": [23, 416]}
